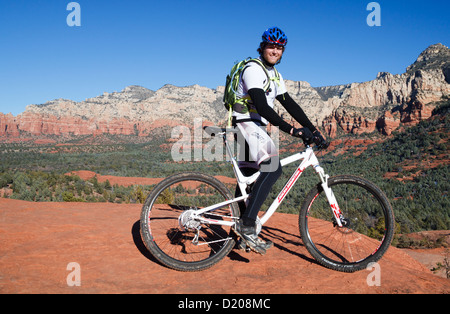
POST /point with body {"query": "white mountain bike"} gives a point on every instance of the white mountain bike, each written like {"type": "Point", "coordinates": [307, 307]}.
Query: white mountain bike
{"type": "Point", "coordinates": [345, 222]}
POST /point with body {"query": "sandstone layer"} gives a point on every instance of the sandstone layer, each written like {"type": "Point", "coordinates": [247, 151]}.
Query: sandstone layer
{"type": "Point", "coordinates": [382, 105]}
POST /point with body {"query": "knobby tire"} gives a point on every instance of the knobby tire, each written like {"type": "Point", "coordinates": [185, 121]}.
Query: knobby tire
{"type": "Point", "coordinates": [369, 230]}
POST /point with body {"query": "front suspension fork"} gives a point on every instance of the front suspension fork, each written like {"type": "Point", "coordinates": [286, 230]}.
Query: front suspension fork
{"type": "Point", "coordinates": [330, 195]}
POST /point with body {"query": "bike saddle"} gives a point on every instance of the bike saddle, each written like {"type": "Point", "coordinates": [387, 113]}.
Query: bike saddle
{"type": "Point", "coordinates": [214, 130]}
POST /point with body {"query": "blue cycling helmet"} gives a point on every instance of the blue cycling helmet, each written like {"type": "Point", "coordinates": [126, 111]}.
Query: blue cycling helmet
{"type": "Point", "coordinates": [276, 36]}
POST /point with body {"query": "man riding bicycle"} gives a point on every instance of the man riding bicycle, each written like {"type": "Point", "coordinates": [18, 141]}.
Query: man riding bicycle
{"type": "Point", "coordinates": [253, 116]}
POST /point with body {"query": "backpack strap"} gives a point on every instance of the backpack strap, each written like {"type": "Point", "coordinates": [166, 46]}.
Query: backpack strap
{"type": "Point", "coordinates": [276, 78]}
{"type": "Point", "coordinates": [242, 105]}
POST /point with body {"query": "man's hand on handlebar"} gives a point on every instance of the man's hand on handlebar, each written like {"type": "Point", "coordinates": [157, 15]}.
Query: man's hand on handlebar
{"type": "Point", "coordinates": [303, 133]}
{"type": "Point", "coordinates": [311, 137]}
{"type": "Point", "coordinates": [319, 140]}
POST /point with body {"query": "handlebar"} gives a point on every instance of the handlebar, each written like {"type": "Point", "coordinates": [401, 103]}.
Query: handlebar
{"type": "Point", "coordinates": [213, 131]}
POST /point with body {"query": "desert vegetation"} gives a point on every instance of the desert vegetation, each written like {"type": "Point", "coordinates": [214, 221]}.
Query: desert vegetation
{"type": "Point", "coordinates": [411, 166]}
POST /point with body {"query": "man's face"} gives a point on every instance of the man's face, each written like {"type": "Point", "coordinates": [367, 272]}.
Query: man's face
{"type": "Point", "coordinates": [273, 53]}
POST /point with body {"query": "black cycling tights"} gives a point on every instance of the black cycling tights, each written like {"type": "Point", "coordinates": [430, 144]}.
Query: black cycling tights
{"type": "Point", "coordinates": [260, 191]}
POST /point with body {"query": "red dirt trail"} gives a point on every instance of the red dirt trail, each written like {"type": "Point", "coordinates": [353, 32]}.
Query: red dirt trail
{"type": "Point", "coordinates": [39, 240]}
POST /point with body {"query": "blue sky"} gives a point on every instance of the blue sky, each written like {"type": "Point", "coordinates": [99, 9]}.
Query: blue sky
{"type": "Point", "coordinates": [153, 43]}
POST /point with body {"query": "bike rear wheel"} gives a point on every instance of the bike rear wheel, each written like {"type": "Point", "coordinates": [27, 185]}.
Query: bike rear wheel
{"type": "Point", "coordinates": [368, 224]}
{"type": "Point", "coordinates": [170, 232]}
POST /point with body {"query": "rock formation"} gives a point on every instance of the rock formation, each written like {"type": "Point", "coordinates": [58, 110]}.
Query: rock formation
{"type": "Point", "coordinates": [387, 101]}
{"type": "Point", "coordinates": [133, 111]}
{"type": "Point", "coordinates": [381, 104]}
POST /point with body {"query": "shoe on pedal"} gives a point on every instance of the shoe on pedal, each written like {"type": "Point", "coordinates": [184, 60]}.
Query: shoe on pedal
{"type": "Point", "coordinates": [250, 238]}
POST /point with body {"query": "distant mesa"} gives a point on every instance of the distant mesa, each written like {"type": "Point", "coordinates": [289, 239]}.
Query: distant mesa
{"type": "Point", "coordinates": [380, 105]}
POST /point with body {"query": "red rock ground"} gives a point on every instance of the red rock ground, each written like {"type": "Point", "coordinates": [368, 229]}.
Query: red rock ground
{"type": "Point", "coordinates": [39, 240]}
{"type": "Point", "coordinates": [127, 181]}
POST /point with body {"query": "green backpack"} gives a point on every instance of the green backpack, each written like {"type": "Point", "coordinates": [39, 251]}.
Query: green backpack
{"type": "Point", "coordinates": [232, 82]}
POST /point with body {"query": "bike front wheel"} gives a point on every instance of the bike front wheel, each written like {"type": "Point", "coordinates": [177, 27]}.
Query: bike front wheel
{"type": "Point", "coordinates": [367, 224]}
{"type": "Point", "coordinates": [173, 233]}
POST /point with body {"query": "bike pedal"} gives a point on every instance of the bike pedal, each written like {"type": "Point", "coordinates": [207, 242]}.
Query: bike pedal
{"type": "Point", "coordinates": [244, 247]}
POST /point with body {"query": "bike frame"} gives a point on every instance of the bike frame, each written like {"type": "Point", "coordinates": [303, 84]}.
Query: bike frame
{"type": "Point", "coordinates": [308, 159]}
